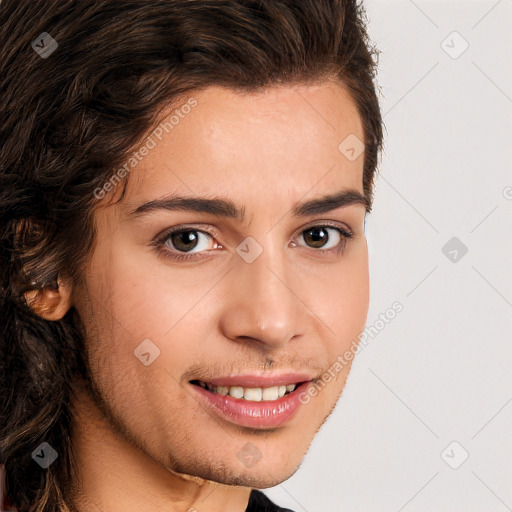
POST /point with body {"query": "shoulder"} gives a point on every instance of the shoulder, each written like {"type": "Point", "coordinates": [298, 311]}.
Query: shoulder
{"type": "Point", "coordinates": [259, 502]}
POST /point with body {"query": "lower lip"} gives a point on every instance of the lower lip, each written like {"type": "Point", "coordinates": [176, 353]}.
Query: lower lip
{"type": "Point", "coordinates": [271, 413]}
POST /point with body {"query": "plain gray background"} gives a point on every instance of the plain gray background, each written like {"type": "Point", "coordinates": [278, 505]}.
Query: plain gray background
{"type": "Point", "coordinates": [425, 421]}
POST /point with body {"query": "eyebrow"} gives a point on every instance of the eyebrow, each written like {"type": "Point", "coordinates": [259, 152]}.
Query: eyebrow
{"type": "Point", "coordinates": [223, 207]}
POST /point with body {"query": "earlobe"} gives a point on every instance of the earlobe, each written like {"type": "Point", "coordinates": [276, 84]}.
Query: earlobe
{"type": "Point", "coordinates": [50, 302]}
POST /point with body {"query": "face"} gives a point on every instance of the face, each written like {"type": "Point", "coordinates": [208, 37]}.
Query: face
{"type": "Point", "coordinates": [255, 287]}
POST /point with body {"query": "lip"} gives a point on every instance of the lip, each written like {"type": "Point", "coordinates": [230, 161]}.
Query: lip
{"type": "Point", "coordinates": [259, 380]}
{"type": "Point", "coordinates": [252, 414]}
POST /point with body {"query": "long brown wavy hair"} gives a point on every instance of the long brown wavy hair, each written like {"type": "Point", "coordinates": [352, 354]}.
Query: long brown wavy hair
{"type": "Point", "coordinates": [70, 118]}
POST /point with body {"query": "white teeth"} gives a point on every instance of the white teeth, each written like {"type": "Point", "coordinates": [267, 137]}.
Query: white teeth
{"type": "Point", "coordinates": [271, 393]}
{"type": "Point", "coordinates": [251, 394]}
{"type": "Point", "coordinates": [223, 390]}
{"type": "Point", "coordinates": [235, 391]}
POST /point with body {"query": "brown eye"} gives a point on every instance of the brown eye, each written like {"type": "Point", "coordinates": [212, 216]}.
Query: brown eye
{"type": "Point", "coordinates": [316, 237]}
{"type": "Point", "coordinates": [186, 243]}
{"type": "Point", "coordinates": [323, 237]}
{"type": "Point", "coordinates": [184, 240]}
{"type": "Point", "coordinates": [328, 240]}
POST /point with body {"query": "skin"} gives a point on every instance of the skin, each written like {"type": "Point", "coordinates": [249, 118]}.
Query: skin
{"type": "Point", "coordinates": [142, 441]}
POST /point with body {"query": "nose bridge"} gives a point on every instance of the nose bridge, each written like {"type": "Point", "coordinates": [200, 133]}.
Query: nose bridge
{"type": "Point", "coordinates": [264, 306]}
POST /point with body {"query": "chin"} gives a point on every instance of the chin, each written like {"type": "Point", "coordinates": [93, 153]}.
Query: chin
{"type": "Point", "coordinates": [261, 479]}
{"type": "Point", "coordinates": [260, 476]}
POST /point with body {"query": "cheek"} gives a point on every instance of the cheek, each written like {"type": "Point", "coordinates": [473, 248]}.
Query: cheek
{"type": "Point", "coordinates": [126, 313]}
{"type": "Point", "coordinates": [344, 299]}
{"type": "Point", "coordinates": [146, 304]}
{"type": "Point", "coordinates": [132, 304]}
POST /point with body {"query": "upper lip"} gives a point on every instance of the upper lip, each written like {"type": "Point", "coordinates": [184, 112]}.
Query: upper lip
{"type": "Point", "coordinates": [259, 380]}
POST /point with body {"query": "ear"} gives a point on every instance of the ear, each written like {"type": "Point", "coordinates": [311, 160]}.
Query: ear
{"type": "Point", "coordinates": [51, 302]}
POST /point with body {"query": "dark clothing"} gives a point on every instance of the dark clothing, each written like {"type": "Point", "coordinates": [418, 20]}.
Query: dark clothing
{"type": "Point", "coordinates": [259, 502]}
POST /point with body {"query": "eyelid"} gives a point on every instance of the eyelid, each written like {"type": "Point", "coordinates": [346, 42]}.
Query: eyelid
{"type": "Point", "coordinates": [166, 233]}
{"type": "Point", "coordinates": [327, 223]}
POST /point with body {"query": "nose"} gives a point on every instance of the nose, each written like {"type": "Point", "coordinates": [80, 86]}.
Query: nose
{"type": "Point", "coordinates": [263, 307]}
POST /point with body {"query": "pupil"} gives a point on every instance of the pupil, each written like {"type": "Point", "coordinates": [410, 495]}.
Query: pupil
{"type": "Point", "coordinates": [185, 240]}
{"type": "Point", "coordinates": [317, 239]}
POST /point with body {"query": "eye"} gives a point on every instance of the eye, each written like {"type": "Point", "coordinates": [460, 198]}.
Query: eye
{"type": "Point", "coordinates": [188, 241]}
{"type": "Point", "coordinates": [326, 237]}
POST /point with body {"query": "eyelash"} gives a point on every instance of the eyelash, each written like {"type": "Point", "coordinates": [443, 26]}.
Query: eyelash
{"type": "Point", "coordinates": [162, 248]}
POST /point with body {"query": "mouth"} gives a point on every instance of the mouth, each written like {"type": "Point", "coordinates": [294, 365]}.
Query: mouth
{"type": "Point", "coordinates": [253, 400]}
{"type": "Point", "coordinates": [251, 394]}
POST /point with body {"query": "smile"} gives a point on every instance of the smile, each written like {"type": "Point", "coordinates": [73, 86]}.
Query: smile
{"type": "Point", "coordinates": [270, 405]}
{"type": "Point", "coordinates": [252, 394]}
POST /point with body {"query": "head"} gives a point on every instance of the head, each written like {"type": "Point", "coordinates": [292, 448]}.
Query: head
{"type": "Point", "coordinates": [238, 116]}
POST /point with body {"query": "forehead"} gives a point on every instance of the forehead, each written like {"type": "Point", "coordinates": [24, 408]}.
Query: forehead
{"type": "Point", "coordinates": [276, 143]}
